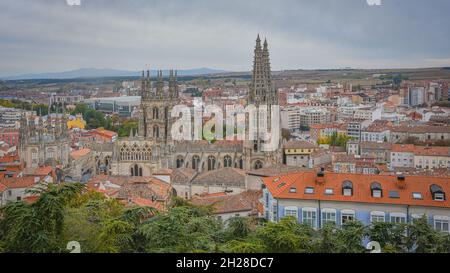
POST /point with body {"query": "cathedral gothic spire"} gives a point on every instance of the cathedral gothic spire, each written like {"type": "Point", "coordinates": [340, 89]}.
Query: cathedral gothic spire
{"type": "Point", "coordinates": [160, 85]}
{"type": "Point", "coordinates": [261, 87]}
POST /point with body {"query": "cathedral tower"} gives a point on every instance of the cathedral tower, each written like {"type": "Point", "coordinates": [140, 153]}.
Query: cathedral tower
{"type": "Point", "coordinates": [261, 93]}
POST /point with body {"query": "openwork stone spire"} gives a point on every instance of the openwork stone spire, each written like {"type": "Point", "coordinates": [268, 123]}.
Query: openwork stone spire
{"type": "Point", "coordinates": [261, 88]}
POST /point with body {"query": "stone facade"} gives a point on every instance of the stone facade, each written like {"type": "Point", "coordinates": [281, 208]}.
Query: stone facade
{"type": "Point", "coordinates": [152, 147]}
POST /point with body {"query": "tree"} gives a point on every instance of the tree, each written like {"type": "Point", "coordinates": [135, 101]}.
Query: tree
{"type": "Point", "coordinates": [128, 126]}
{"type": "Point", "coordinates": [391, 236]}
{"type": "Point", "coordinates": [182, 229]}
{"type": "Point", "coordinates": [37, 227]}
{"type": "Point", "coordinates": [286, 236]}
{"type": "Point", "coordinates": [350, 237]}
{"type": "Point", "coordinates": [238, 227]}
{"type": "Point", "coordinates": [424, 239]}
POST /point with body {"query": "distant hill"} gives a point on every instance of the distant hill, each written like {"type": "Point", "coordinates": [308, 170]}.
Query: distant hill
{"type": "Point", "coordinates": [101, 73]}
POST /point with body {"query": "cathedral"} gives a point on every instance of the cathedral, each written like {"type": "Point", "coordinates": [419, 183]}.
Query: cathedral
{"type": "Point", "coordinates": [44, 141]}
{"type": "Point", "coordinates": [152, 147]}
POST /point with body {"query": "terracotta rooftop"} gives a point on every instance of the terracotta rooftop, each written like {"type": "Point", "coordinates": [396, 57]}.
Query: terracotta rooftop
{"type": "Point", "coordinates": [2, 187]}
{"type": "Point", "coordinates": [223, 176]}
{"type": "Point", "coordinates": [282, 187]}
{"type": "Point", "coordinates": [403, 148]}
{"type": "Point", "coordinates": [275, 170]}
{"type": "Point", "coordinates": [298, 144]}
{"type": "Point", "coordinates": [375, 145]}
{"type": "Point", "coordinates": [183, 175]}
{"type": "Point", "coordinates": [163, 172]}
{"type": "Point", "coordinates": [422, 129]}
{"type": "Point", "coordinates": [80, 153]}
{"type": "Point", "coordinates": [245, 201]}
{"type": "Point", "coordinates": [40, 171]}
{"type": "Point", "coordinates": [104, 133]}
{"type": "Point", "coordinates": [18, 182]}
{"type": "Point", "coordinates": [421, 150]}
{"type": "Point", "coordinates": [145, 191]}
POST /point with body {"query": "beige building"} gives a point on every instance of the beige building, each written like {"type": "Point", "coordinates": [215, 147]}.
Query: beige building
{"type": "Point", "coordinates": [432, 157]}
{"type": "Point", "coordinates": [297, 153]}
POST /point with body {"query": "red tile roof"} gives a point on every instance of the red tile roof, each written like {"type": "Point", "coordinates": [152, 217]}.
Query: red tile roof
{"type": "Point", "coordinates": [299, 144]}
{"type": "Point", "coordinates": [80, 153]}
{"type": "Point", "coordinates": [245, 201]}
{"type": "Point", "coordinates": [2, 187]}
{"type": "Point", "coordinates": [43, 171]}
{"type": "Point", "coordinates": [280, 188]}
{"type": "Point", "coordinates": [18, 182]}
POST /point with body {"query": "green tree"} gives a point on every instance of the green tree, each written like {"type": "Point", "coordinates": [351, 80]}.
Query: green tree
{"type": "Point", "coordinates": [286, 236]}
{"type": "Point", "coordinates": [37, 227]}
{"type": "Point", "coordinates": [391, 236]}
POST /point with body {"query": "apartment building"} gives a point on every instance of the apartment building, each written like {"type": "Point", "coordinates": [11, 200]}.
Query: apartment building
{"type": "Point", "coordinates": [319, 198]}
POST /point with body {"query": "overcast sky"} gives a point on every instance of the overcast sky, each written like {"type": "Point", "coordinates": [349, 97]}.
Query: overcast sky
{"type": "Point", "coordinates": [49, 35]}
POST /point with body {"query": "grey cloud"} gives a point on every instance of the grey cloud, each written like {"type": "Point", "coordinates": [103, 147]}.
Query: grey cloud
{"type": "Point", "coordinates": [48, 35]}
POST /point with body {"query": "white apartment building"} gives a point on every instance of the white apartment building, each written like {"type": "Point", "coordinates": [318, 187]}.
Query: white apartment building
{"type": "Point", "coordinates": [293, 117]}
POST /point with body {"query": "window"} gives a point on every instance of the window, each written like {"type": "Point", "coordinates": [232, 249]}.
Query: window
{"type": "Point", "coordinates": [398, 218]}
{"type": "Point", "coordinates": [347, 188]}
{"type": "Point", "coordinates": [329, 191]}
{"type": "Point", "coordinates": [328, 216]}
{"type": "Point", "coordinates": [309, 190]}
{"type": "Point", "coordinates": [293, 190]}
{"type": "Point", "coordinates": [347, 215]}
{"type": "Point", "coordinates": [441, 223]}
{"type": "Point", "coordinates": [415, 217]}
{"type": "Point", "coordinates": [439, 197]}
{"type": "Point", "coordinates": [195, 162]}
{"type": "Point", "coordinates": [258, 165]}
{"type": "Point", "coordinates": [309, 217]}
{"type": "Point", "coordinates": [437, 193]}
{"type": "Point", "coordinates": [291, 211]}
{"type": "Point", "coordinates": [211, 163]}
{"type": "Point", "coordinates": [274, 212]}
{"type": "Point", "coordinates": [180, 162]}
{"type": "Point", "coordinates": [417, 195]}
{"type": "Point", "coordinates": [227, 161]}
{"type": "Point", "coordinates": [376, 190]}
{"type": "Point", "coordinates": [377, 216]}
{"type": "Point", "coordinates": [156, 131]}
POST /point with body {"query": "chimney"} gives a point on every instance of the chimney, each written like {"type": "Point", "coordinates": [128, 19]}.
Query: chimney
{"type": "Point", "coordinates": [401, 181]}
{"type": "Point", "coordinates": [320, 178]}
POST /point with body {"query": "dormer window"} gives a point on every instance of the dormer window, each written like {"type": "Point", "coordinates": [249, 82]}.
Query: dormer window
{"type": "Point", "coordinates": [309, 190]}
{"type": "Point", "coordinates": [376, 190]}
{"type": "Point", "coordinates": [347, 188]}
{"type": "Point", "coordinates": [437, 193]}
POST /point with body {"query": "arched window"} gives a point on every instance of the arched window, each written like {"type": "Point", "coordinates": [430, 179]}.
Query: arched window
{"type": "Point", "coordinates": [258, 165]}
{"type": "Point", "coordinates": [227, 161]}
{"type": "Point", "coordinates": [180, 162]}
{"type": "Point", "coordinates": [50, 153]}
{"type": "Point", "coordinates": [347, 188]}
{"type": "Point", "coordinates": [241, 163]}
{"type": "Point", "coordinates": [136, 170]}
{"type": "Point", "coordinates": [211, 163]}
{"type": "Point", "coordinates": [195, 162]}
{"type": "Point", "coordinates": [376, 190]}
{"type": "Point", "coordinates": [155, 113]}
{"type": "Point", "coordinates": [156, 131]}
{"type": "Point", "coordinates": [34, 154]}
{"type": "Point", "coordinates": [437, 192]}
